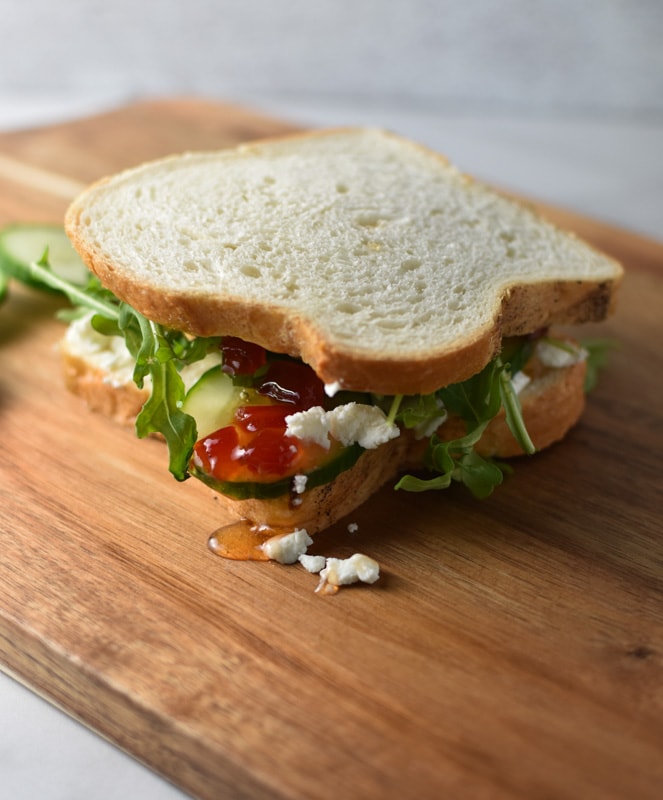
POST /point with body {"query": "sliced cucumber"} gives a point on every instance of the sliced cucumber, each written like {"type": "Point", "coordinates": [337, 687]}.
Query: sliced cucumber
{"type": "Point", "coordinates": [325, 473]}
{"type": "Point", "coordinates": [212, 401]}
{"type": "Point", "coordinates": [24, 243]}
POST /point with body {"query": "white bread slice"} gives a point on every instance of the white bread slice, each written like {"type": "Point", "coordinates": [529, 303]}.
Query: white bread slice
{"type": "Point", "coordinates": [552, 403]}
{"type": "Point", "coordinates": [366, 255]}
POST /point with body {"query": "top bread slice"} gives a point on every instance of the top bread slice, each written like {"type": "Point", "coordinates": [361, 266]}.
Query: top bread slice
{"type": "Point", "coordinates": [368, 256]}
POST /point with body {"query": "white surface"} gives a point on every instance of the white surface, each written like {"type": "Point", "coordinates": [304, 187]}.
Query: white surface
{"type": "Point", "coordinates": [557, 99]}
{"type": "Point", "coordinates": [45, 755]}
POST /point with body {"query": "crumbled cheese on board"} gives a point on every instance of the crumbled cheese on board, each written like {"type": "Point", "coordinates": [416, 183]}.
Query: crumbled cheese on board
{"type": "Point", "coordinates": [312, 563]}
{"type": "Point", "coordinates": [343, 571]}
{"type": "Point", "coordinates": [286, 548]}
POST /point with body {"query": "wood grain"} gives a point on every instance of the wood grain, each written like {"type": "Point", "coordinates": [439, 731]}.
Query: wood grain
{"type": "Point", "coordinates": [513, 648]}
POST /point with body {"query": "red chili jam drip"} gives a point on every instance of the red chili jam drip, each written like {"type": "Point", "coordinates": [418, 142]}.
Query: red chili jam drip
{"type": "Point", "coordinates": [241, 541]}
{"type": "Point", "coordinates": [294, 383]}
{"type": "Point", "coordinates": [254, 448]}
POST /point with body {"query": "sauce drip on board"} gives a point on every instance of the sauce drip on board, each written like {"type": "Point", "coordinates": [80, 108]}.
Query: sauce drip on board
{"type": "Point", "coordinates": [243, 540]}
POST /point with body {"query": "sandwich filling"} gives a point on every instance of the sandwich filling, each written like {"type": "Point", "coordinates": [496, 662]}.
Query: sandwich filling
{"type": "Point", "coordinates": [254, 424]}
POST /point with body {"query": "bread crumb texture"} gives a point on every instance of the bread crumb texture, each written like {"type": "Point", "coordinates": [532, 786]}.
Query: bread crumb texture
{"type": "Point", "coordinates": [369, 242]}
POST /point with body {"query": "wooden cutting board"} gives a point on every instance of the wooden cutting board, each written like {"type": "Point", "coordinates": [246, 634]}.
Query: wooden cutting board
{"type": "Point", "coordinates": [513, 648]}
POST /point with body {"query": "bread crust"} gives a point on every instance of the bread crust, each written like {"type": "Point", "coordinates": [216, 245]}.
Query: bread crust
{"type": "Point", "coordinates": [322, 506]}
{"type": "Point", "coordinates": [551, 404]}
{"type": "Point", "coordinates": [120, 402]}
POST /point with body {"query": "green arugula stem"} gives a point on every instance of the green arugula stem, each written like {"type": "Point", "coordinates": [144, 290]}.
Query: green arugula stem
{"type": "Point", "coordinates": [514, 414]}
{"type": "Point", "coordinates": [40, 271]}
{"type": "Point", "coordinates": [393, 410]}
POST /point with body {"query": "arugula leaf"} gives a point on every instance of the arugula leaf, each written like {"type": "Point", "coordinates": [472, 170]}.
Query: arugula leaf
{"type": "Point", "coordinates": [476, 401]}
{"type": "Point", "coordinates": [162, 412]}
{"type": "Point", "coordinates": [159, 353]}
{"type": "Point", "coordinates": [597, 358]}
{"type": "Point", "coordinates": [516, 351]}
{"type": "Point", "coordinates": [457, 460]}
{"type": "Point", "coordinates": [88, 297]}
{"type": "Point", "coordinates": [514, 412]}
{"type": "Point", "coordinates": [419, 411]}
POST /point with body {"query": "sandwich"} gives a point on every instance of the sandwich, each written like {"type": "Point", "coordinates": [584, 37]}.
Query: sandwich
{"type": "Point", "coordinates": [306, 318]}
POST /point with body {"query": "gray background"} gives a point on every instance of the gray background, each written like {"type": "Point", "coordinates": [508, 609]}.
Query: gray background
{"type": "Point", "coordinates": [558, 99]}
{"type": "Point", "coordinates": [589, 57]}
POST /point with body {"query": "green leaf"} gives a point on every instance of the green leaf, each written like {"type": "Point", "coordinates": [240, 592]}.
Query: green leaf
{"type": "Point", "coordinates": [4, 284]}
{"type": "Point", "coordinates": [514, 413]}
{"type": "Point", "coordinates": [598, 351]}
{"type": "Point", "coordinates": [162, 411]}
{"type": "Point", "coordinates": [477, 399]}
{"type": "Point", "coordinates": [516, 351]}
{"type": "Point", "coordinates": [411, 483]}
{"type": "Point", "coordinates": [457, 460]}
{"type": "Point", "coordinates": [480, 475]}
{"type": "Point", "coordinates": [87, 296]}
{"type": "Point", "coordinates": [417, 411]}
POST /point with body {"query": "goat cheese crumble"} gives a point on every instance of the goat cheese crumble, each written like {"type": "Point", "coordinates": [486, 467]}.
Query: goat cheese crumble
{"type": "Point", "coordinates": [558, 356]}
{"type": "Point", "coordinates": [106, 353]}
{"type": "Point", "coordinates": [312, 563]}
{"type": "Point", "coordinates": [342, 571]}
{"type": "Point", "coordinates": [332, 388]}
{"type": "Point", "coordinates": [288, 547]}
{"type": "Point", "coordinates": [519, 381]}
{"type": "Point", "coordinates": [352, 423]}
{"type": "Point", "coordinates": [111, 355]}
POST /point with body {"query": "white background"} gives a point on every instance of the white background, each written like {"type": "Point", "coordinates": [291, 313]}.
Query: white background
{"type": "Point", "coordinates": [560, 99]}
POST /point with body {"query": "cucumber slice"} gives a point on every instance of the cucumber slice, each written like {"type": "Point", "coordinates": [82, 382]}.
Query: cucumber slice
{"type": "Point", "coordinates": [25, 243]}
{"type": "Point", "coordinates": [243, 490]}
{"type": "Point", "coordinates": [212, 401]}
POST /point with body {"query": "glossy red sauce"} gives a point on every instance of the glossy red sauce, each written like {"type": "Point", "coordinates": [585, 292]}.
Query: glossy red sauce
{"type": "Point", "coordinates": [293, 383]}
{"type": "Point", "coordinates": [255, 447]}
{"type": "Point", "coordinates": [240, 357]}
